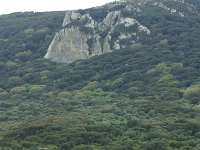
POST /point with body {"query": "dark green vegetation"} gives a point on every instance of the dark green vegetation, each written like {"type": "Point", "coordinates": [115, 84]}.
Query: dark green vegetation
{"type": "Point", "coordinates": [142, 97]}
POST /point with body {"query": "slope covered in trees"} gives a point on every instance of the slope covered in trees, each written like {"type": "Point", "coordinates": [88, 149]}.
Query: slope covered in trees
{"type": "Point", "coordinates": [145, 96]}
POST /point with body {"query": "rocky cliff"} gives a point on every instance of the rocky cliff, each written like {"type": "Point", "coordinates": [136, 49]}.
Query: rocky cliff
{"type": "Point", "coordinates": [95, 31]}
{"type": "Point", "coordinates": [86, 33]}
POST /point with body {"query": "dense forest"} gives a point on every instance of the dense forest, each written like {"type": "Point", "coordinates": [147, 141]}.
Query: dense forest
{"type": "Point", "coordinates": [145, 96]}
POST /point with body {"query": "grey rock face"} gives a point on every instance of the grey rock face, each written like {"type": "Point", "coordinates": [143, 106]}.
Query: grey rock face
{"type": "Point", "coordinates": [68, 45]}
{"type": "Point", "coordinates": [111, 18]}
{"type": "Point", "coordinates": [84, 36]}
{"type": "Point", "coordinates": [70, 16]}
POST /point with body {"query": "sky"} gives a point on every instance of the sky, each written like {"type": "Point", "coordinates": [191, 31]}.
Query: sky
{"type": "Point", "coordinates": [9, 6]}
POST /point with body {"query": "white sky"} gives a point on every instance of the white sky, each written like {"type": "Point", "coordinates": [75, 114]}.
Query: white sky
{"type": "Point", "coordinates": [9, 6]}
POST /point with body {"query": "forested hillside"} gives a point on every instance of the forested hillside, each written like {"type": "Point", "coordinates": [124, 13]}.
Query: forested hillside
{"type": "Point", "coordinates": [144, 96]}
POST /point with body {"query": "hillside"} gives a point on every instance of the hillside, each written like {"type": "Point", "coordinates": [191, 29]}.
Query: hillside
{"type": "Point", "coordinates": [142, 95]}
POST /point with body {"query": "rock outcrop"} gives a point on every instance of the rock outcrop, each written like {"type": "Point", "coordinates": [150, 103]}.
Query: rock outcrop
{"type": "Point", "coordinates": [99, 30]}
{"type": "Point", "coordinates": [87, 33]}
{"type": "Point", "coordinates": [68, 45]}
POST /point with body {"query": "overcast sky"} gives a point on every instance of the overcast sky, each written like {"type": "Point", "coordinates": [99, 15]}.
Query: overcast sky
{"type": "Point", "coordinates": [9, 6]}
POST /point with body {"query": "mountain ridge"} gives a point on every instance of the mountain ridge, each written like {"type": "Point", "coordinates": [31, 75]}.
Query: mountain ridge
{"type": "Point", "coordinates": [83, 37]}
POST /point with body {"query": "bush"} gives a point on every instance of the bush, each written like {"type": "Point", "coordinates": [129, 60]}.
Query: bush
{"type": "Point", "coordinates": [155, 146]}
